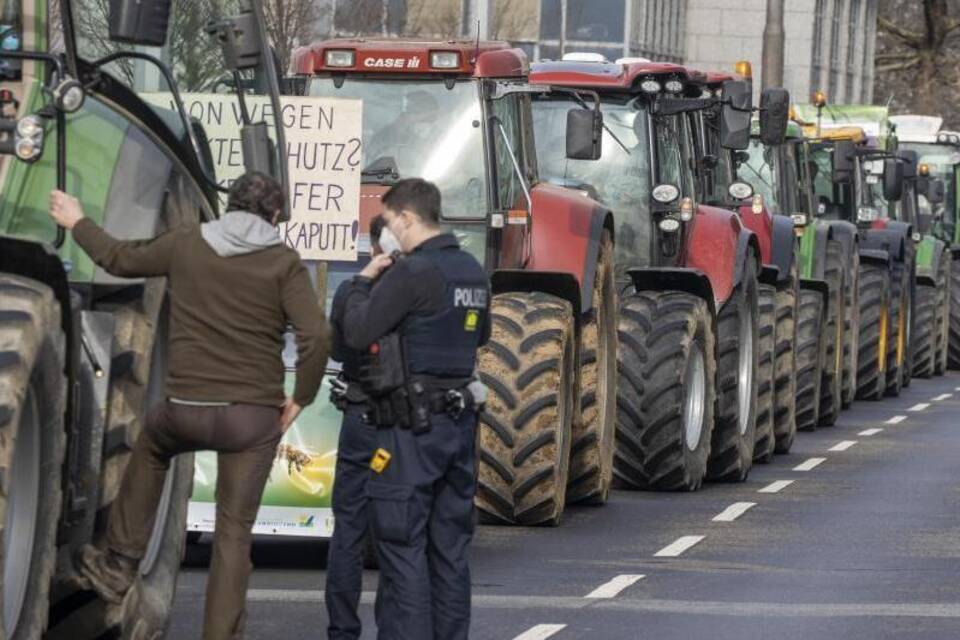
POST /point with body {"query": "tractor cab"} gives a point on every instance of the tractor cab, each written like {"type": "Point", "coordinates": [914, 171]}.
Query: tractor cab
{"type": "Point", "coordinates": [646, 172]}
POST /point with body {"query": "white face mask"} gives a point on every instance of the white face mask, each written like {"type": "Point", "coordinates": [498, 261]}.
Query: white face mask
{"type": "Point", "coordinates": [388, 241]}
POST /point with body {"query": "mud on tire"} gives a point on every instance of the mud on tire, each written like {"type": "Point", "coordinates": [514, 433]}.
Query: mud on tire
{"type": "Point", "coordinates": [924, 340]}
{"type": "Point", "coordinates": [953, 341]}
{"type": "Point", "coordinates": [874, 318]}
{"type": "Point", "coordinates": [831, 383]}
{"type": "Point", "coordinates": [33, 394]}
{"type": "Point", "coordinates": [591, 452]}
{"type": "Point", "coordinates": [943, 314]}
{"type": "Point", "coordinates": [785, 365]}
{"type": "Point", "coordinates": [529, 366]}
{"type": "Point", "coordinates": [666, 339]}
{"type": "Point", "coordinates": [851, 329]}
{"type": "Point", "coordinates": [809, 357]}
{"type": "Point", "coordinates": [765, 443]}
{"type": "Point", "coordinates": [731, 451]}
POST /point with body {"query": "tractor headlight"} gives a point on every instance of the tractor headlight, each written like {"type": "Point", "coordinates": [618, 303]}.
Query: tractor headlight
{"type": "Point", "coordinates": [27, 149]}
{"type": "Point", "coordinates": [799, 219]}
{"type": "Point", "coordinates": [339, 58]}
{"type": "Point", "coordinates": [29, 126]}
{"type": "Point", "coordinates": [650, 86]}
{"type": "Point", "coordinates": [69, 95]}
{"type": "Point", "coordinates": [28, 138]}
{"type": "Point", "coordinates": [669, 225]}
{"type": "Point", "coordinates": [867, 214]}
{"type": "Point", "coordinates": [444, 59]}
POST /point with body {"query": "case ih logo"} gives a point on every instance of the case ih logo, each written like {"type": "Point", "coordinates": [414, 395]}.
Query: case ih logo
{"type": "Point", "coordinates": [392, 63]}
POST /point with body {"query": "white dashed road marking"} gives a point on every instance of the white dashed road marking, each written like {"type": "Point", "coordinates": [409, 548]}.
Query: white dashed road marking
{"type": "Point", "coordinates": [540, 632]}
{"type": "Point", "coordinates": [942, 396]}
{"type": "Point", "coordinates": [679, 546]}
{"type": "Point", "coordinates": [869, 432]}
{"type": "Point", "coordinates": [919, 407]}
{"type": "Point", "coordinates": [615, 586]}
{"type": "Point", "coordinates": [776, 487]}
{"type": "Point", "coordinates": [896, 419]}
{"type": "Point", "coordinates": [809, 464]}
{"type": "Point", "coordinates": [734, 511]}
{"type": "Point", "coordinates": [843, 445]}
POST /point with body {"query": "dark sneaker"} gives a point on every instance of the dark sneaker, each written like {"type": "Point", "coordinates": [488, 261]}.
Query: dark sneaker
{"type": "Point", "coordinates": [110, 574]}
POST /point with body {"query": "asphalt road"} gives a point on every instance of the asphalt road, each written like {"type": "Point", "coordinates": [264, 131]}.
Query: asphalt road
{"type": "Point", "coordinates": [864, 544]}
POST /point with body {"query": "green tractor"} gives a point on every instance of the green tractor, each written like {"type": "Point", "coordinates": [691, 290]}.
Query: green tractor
{"type": "Point", "coordinates": [82, 353]}
{"type": "Point", "coordinates": [859, 176]}
{"type": "Point", "coordinates": [938, 269]}
{"type": "Point", "coordinates": [779, 174]}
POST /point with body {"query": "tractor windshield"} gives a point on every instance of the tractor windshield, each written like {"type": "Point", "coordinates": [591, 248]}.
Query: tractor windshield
{"type": "Point", "coordinates": [620, 179]}
{"type": "Point", "coordinates": [942, 160]}
{"type": "Point", "coordinates": [761, 171]}
{"type": "Point", "coordinates": [420, 128]}
{"type": "Point", "coordinates": [835, 200]}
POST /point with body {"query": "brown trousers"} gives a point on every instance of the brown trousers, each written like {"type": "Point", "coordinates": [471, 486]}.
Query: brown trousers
{"type": "Point", "coordinates": [245, 438]}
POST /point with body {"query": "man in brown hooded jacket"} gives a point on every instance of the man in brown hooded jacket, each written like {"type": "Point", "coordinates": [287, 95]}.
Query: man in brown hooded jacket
{"type": "Point", "coordinates": [233, 288]}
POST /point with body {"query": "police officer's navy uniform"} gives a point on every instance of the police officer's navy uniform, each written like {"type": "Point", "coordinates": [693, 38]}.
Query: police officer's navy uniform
{"type": "Point", "coordinates": [421, 502]}
{"type": "Point", "coordinates": [351, 522]}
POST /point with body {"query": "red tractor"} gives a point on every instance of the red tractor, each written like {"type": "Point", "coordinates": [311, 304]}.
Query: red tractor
{"type": "Point", "coordinates": [719, 185]}
{"type": "Point", "coordinates": [458, 114]}
{"type": "Point", "coordinates": [687, 272]}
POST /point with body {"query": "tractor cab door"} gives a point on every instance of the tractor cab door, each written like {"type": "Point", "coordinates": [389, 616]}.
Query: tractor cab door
{"type": "Point", "coordinates": [510, 128]}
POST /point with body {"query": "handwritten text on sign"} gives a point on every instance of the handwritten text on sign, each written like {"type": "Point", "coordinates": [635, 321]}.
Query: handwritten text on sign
{"type": "Point", "coordinates": [323, 163]}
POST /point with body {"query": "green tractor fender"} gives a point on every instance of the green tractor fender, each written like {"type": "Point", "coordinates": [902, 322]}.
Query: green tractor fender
{"type": "Point", "coordinates": [930, 252]}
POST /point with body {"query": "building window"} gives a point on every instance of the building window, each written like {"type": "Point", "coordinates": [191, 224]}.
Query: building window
{"type": "Point", "coordinates": [816, 61]}
{"type": "Point", "coordinates": [854, 26]}
{"type": "Point", "coordinates": [835, 59]}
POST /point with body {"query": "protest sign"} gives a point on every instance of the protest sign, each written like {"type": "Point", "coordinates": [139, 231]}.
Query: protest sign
{"type": "Point", "coordinates": [323, 140]}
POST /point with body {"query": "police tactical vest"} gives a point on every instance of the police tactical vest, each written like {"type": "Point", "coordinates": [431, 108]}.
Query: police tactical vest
{"type": "Point", "coordinates": [444, 344]}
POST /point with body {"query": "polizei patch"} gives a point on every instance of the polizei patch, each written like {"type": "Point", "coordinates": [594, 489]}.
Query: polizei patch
{"type": "Point", "coordinates": [473, 297]}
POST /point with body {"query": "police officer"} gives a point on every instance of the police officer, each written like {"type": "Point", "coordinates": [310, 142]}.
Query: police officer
{"type": "Point", "coordinates": [421, 317]}
{"type": "Point", "coordinates": [356, 445]}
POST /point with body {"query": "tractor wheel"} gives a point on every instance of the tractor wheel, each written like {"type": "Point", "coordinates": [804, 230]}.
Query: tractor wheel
{"type": "Point", "coordinates": [924, 340]}
{"type": "Point", "coordinates": [810, 357]}
{"type": "Point", "coordinates": [874, 318]}
{"type": "Point", "coordinates": [137, 376]}
{"type": "Point", "coordinates": [591, 451]}
{"type": "Point", "coordinates": [851, 329]}
{"type": "Point", "coordinates": [831, 384]}
{"type": "Point", "coordinates": [665, 391]}
{"type": "Point", "coordinates": [33, 397]}
{"type": "Point", "coordinates": [943, 315]}
{"type": "Point", "coordinates": [731, 451]}
{"type": "Point", "coordinates": [953, 350]}
{"type": "Point", "coordinates": [765, 442]}
{"type": "Point", "coordinates": [785, 363]}
{"type": "Point", "coordinates": [529, 366]}
{"type": "Point", "coordinates": [898, 328]}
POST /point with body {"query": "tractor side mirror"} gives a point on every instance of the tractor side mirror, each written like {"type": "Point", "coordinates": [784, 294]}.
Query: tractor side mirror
{"type": "Point", "coordinates": [735, 115]}
{"type": "Point", "coordinates": [239, 40]}
{"type": "Point", "coordinates": [774, 111]}
{"type": "Point", "coordinates": [843, 155]}
{"type": "Point", "coordinates": [936, 191]}
{"type": "Point", "coordinates": [892, 180]}
{"type": "Point", "coordinates": [584, 134]}
{"type": "Point", "coordinates": [139, 22]}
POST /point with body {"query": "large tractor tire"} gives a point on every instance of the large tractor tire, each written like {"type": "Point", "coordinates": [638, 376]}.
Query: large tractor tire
{"type": "Point", "coordinates": [529, 366]}
{"type": "Point", "coordinates": [765, 443]}
{"type": "Point", "coordinates": [810, 357]}
{"type": "Point", "coordinates": [851, 329]}
{"type": "Point", "coordinates": [33, 398]}
{"type": "Point", "coordinates": [734, 435]}
{"type": "Point", "coordinates": [924, 341]}
{"type": "Point", "coordinates": [898, 336]}
{"type": "Point", "coordinates": [953, 349]}
{"type": "Point", "coordinates": [943, 315]}
{"type": "Point", "coordinates": [591, 452]}
{"type": "Point", "coordinates": [874, 318]}
{"type": "Point", "coordinates": [665, 391]}
{"type": "Point", "coordinates": [831, 384]}
{"type": "Point", "coordinates": [785, 363]}
{"type": "Point", "coordinates": [138, 373]}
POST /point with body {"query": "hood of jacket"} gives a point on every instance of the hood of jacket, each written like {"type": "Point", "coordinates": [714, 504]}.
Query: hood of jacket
{"type": "Point", "coordinates": [237, 233]}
